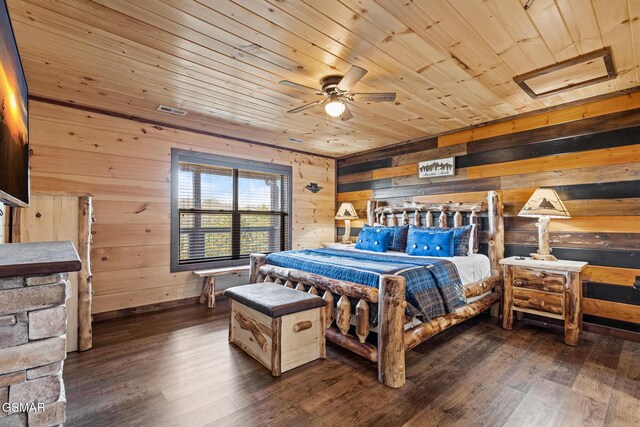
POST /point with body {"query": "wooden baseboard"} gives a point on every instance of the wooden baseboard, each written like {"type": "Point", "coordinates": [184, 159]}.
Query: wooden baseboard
{"type": "Point", "coordinates": [589, 327]}
{"type": "Point", "coordinates": [124, 312]}
{"type": "Point", "coordinates": [612, 332]}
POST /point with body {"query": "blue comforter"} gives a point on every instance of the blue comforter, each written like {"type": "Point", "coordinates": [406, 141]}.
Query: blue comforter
{"type": "Point", "coordinates": [433, 284]}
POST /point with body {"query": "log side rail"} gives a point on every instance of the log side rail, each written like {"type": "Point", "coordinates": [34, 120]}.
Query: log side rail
{"type": "Point", "coordinates": [424, 331]}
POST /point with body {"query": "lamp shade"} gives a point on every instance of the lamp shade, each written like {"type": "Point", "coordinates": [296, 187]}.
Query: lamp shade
{"type": "Point", "coordinates": [544, 202]}
{"type": "Point", "coordinates": [346, 211]}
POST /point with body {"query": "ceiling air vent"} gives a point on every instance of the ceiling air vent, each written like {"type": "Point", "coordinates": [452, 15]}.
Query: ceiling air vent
{"type": "Point", "coordinates": [171, 110]}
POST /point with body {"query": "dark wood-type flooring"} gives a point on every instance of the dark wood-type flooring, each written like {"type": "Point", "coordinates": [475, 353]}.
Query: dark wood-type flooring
{"type": "Point", "coordinates": [176, 368]}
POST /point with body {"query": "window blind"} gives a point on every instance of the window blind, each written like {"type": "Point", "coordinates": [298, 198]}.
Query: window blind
{"type": "Point", "coordinates": [227, 213]}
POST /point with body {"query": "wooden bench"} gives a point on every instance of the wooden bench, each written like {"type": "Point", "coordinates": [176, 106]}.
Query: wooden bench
{"type": "Point", "coordinates": [279, 327]}
{"type": "Point", "coordinates": [208, 292]}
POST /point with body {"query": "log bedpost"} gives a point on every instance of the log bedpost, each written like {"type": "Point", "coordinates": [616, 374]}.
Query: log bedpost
{"type": "Point", "coordinates": [496, 230]}
{"type": "Point", "coordinates": [371, 212]}
{"type": "Point", "coordinates": [416, 218]}
{"type": "Point", "coordinates": [85, 291]}
{"type": "Point", "coordinates": [257, 261]}
{"type": "Point", "coordinates": [495, 214]}
{"type": "Point", "coordinates": [391, 306]}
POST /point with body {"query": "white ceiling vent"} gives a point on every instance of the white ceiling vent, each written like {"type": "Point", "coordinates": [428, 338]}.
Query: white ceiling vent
{"type": "Point", "coordinates": [171, 110]}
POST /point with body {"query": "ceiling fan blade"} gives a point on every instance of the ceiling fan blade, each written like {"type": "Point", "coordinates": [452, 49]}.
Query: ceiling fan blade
{"type": "Point", "coordinates": [352, 77]}
{"type": "Point", "coordinates": [375, 97]}
{"type": "Point", "coordinates": [306, 106]}
{"type": "Point", "coordinates": [299, 87]}
{"type": "Point", "coordinates": [346, 115]}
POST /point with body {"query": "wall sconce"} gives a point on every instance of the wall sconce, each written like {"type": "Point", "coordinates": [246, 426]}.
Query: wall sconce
{"type": "Point", "coordinates": [313, 187]}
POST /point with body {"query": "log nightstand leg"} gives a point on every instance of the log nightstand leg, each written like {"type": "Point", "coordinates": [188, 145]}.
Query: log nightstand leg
{"type": "Point", "coordinates": [573, 308]}
{"type": "Point", "coordinates": [507, 305]}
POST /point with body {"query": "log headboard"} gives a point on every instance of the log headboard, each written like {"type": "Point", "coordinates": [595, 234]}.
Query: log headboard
{"type": "Point", "coordinates": [400, 215]}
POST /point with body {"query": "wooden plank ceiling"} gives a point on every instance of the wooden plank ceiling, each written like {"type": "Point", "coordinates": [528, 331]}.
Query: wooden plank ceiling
{"type": "Point", "coordinates": [451, 62]}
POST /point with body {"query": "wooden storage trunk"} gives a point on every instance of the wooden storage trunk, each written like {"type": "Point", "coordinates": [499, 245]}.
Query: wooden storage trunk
{"type": "Point", "coordinates": [279, 327]}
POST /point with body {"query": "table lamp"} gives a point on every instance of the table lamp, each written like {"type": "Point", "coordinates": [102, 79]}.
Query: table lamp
{"type": "Point", "coordinates": [544, 204]}
{"type": "Point", "coordinates": [346, 212]}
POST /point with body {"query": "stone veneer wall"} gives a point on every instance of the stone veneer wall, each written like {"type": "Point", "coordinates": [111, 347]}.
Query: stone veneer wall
{"type": "Point", "coordinates": [32, 348]}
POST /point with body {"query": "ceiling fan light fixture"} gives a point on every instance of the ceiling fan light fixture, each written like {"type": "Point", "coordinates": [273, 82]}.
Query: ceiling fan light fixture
{"type": "Point", "coordinates": [334, 107]}
{"type": "Point", "coordinates": [335, 89]}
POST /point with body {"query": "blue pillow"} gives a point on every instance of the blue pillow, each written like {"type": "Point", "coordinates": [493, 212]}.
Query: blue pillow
{"type": "Point", "coordinates": [461, 237]}
{"type": "Point", "coordinates": [426, 242]}
{"type": "Point", "coordinates": [373, 239]}
{"type": "Point", "coordinates": [399, 234]}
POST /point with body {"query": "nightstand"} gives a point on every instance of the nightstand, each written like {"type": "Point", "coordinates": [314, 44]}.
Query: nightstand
{"type": "Point", "coordinates": [334, 245]}
{"type": "Point", "coordinates": [545, 288]}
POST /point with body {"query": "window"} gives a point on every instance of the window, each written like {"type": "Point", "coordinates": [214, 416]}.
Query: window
{"type": "Point", "coordinates": [224, 209]}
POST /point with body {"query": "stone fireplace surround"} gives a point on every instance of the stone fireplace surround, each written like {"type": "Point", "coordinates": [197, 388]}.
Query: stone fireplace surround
{"type": "Point", "coordinates": [33, 290]}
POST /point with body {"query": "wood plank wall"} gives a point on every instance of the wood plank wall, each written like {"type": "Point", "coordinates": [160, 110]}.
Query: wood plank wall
{"type": "Point", "coordinates": [593, 163]}
{"type": "Point", "coordinates": [126, 166]}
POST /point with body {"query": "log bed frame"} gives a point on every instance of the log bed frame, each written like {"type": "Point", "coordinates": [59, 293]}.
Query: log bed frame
{"type": "Point", "coordinates": [393, 340]}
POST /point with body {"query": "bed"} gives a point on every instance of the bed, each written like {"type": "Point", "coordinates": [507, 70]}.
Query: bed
{"type": "Point", "coordinates": [355, 310]}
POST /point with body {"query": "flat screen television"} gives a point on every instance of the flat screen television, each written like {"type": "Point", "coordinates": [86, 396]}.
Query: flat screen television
{"type": "Point", "coordinates": [14, 115]}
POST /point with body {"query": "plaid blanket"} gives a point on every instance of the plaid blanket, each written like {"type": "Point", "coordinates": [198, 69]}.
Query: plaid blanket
{"type": "Point", "coordinates": [433, 284]}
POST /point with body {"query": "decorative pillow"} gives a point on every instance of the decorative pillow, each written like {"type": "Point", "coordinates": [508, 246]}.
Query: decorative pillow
{"type": "Point", "coordinates": [373, 239]}
{"type": "Point", "coordinates": [398, 236]}
{"type": "Point", "coordinates": [426, 242]}
{"type": "Point", "coordinates": [472, 238]}
{"type": "Point", "coordinates": [461, 237]}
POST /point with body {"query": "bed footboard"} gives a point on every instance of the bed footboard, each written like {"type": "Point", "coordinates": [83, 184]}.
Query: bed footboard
{"type": "Point", "coordinates": [390, 297]}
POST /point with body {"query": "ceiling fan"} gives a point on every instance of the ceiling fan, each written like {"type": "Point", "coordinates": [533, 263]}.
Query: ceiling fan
{"type": "Point", "coordinates": [335, 89]}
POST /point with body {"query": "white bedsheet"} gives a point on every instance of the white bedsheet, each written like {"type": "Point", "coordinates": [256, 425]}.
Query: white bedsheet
{"type": "Point", "coordinates": [471, 268]}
